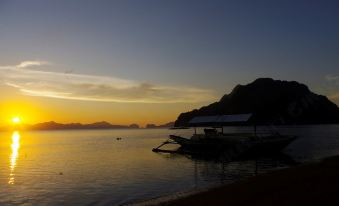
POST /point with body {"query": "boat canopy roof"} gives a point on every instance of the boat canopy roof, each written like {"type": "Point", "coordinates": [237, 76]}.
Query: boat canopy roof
{"type": "Point", "coordinates": [220, 119]}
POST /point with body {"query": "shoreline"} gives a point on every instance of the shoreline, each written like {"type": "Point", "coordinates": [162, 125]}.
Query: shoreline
{"type": "Point", "coordinates": [315, 183]}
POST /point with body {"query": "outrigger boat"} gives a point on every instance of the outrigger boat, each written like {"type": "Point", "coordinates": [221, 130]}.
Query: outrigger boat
{"type": "Point", "coordinates": [232, 145]}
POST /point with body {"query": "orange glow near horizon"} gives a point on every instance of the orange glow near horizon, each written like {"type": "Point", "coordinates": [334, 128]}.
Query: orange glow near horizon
{"type": "Point", "coordinates": [22, 113]}
{"type": "Point", "coordinates": [33, 110]}
{"type": "Point", "coordinates": [14, 112]}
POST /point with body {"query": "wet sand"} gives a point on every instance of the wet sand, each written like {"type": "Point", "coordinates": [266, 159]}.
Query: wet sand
{"type": "Point", "coordinates": [311, 184]}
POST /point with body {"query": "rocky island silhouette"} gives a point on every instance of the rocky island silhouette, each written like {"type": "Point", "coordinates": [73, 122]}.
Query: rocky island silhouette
{"type": "Point", "coordinates": [271, 102]}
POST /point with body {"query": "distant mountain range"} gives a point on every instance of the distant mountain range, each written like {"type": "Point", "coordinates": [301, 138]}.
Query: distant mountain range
{"type": "Point", "coordinates": [97, 125]}
{"type": "Point", "coordinates": [271, 102]}
{"type": "Point", "coordinates": [58, 126]}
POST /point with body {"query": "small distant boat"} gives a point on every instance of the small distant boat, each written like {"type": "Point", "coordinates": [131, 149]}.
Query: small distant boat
{"type": "Point", "coordinates": [233, 145]}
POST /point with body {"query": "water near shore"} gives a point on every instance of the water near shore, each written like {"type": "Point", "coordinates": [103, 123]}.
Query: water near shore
{"type": "Point", "coordinates": [89, 167]}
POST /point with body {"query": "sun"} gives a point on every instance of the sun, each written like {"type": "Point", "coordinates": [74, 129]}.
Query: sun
{"type": "Point", "coordinates": [16, 120]}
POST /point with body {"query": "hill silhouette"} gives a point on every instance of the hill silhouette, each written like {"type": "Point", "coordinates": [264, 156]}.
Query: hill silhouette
{"type": "Point", "coordinates": [271, 102]}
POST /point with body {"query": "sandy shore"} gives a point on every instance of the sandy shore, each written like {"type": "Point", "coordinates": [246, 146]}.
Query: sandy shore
{"type": "Point", "coordinates": [311, 184]}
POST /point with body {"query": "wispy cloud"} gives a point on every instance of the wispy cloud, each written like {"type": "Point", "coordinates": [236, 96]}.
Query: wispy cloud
{"type": "Point", "coordinates": [330, 77]}
{"type": "Point", "coordinates": [31, 63]}
{"type": "Point", "coordinates": [334, 96]}
{"type": "Point", "coordinates": [333, 87]}
{"type": "Point", "coordinates": [95, 88]}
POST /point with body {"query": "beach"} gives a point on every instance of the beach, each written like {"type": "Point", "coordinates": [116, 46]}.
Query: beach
{"type": "Point", "coordinates": [309, 184]}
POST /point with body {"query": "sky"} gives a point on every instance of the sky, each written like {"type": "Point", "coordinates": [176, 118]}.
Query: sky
{"type": "Point", "coordinates": [146, 61]}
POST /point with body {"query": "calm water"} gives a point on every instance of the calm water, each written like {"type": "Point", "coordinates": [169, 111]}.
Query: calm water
{"type": "Point", "coordinates": [93, 168]}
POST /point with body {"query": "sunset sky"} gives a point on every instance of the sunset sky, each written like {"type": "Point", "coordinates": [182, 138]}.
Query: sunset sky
{"type": "Point", "coordinates": [146, 61]}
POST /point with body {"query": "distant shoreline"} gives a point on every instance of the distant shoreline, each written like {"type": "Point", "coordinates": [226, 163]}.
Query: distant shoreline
{"type": "Point", "coordinates": [77, 129]}
{"type": "Point", "coordinates": [141, 128]}
{"type": "Point", "coordinates": [314, 183]}
{"type": "Point", "coordinates": [51, 125]}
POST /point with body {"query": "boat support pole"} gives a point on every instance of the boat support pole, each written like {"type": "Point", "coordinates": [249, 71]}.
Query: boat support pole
{"type": "Point", "coordinates": [157, 149]}
{"type": "Point", "coordinates": [255, 129]}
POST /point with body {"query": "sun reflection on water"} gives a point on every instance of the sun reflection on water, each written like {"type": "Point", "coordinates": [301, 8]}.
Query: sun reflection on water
{"type": "Point", "coordinates": [14, 155]}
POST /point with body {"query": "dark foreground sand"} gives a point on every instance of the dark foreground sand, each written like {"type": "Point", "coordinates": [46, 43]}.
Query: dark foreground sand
{"type": "Point", "coordinates": [312, 184]}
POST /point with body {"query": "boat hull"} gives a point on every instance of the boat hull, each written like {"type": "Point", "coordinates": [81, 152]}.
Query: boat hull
{"type": "Point", "coordinates": [251, 147]}
{"type": "Point", "coordinates": [270, 146]}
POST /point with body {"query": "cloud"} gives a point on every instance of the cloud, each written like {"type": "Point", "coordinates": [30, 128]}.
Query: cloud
{"type": "Point", "coordinates": [333, 87]}
{"type": "Point", "coordinates": [31, 63]}
{"type": "Point", "coordinates": [334, 96]}
{"type": "Point", "coordinates": [95, 88]}
{"type": "Point", "coordinates": [330, 77]}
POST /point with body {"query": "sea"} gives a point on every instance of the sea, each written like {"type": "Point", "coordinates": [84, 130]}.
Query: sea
{"type": "Point", "coordinates": [96, 167]}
